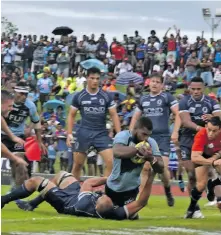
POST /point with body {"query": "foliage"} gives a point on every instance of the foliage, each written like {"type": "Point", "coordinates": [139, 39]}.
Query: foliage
{"type": "Point", "coordinates": [8, 27]}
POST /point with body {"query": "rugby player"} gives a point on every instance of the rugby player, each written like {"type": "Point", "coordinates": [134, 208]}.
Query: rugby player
{"type": "Point", "coordinates": [158, 105]}
{"type": "Point", "coordinates": [206, 150]}
{"type": "Point", "coordinates": [123, 184]}
{"type": "Point", "coordinates": [94, 104]}
{"type": "Point", "coordinates": [22, 109]}
{"type": "Point", "coordinates": [195, 110]}
{"type": "Point", "coordinates": [65, 194]}
{"type": "Point", "coordinates": [7, 101]}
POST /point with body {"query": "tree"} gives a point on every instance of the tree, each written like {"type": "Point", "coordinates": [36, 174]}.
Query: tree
{"type": "Point", "coordinates": [8, 27]}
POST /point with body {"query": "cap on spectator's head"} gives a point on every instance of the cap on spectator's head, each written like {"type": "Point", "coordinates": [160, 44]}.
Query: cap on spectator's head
{"type": "Point", "coordinates": [185, 37]}
{"type": "Point", "coordinates": [152, 32]}
{"type": "Point", "coordinates": [126, 59]}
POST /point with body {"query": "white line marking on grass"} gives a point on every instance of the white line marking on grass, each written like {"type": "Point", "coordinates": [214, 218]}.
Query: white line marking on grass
{"type": "Point", "coordinates": [33, 219]}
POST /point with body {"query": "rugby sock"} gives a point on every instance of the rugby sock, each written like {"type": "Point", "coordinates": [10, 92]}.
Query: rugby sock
{"type": "Point", "coordinates": [215, 182]}
{"type": "Point", "coordinates": [167, 190]}
{"type": "Point", "coordinates": [180, 178]}
{"type": "Point", "coordinates": [19, 193]}
{"type": "Point", "coordinates": [36, 201]}
{"type": "Point", "coordinates": [195, 196]}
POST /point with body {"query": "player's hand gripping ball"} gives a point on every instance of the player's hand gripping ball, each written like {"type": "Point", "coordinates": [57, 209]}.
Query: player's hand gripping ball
{"type": "Point", "coordinates": [138, 159]}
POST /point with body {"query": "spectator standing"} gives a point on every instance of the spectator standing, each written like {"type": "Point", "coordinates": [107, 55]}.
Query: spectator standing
{"type": "Point", "coordinates": [63, 61]}
{"type": "Point", "coordinates": [141, 49]}
{"type": "Point", "coordinates": [51, 156]}
{"type": "Point", "coordinates": [191, 66]}
{"type": "Point", "coordinates": [62, 147]}
{"type": "Point", "coordinates": [119, 53]}
{"type": "Point", "coordinates": [44, 87]}
{"type": "Point", "coordinates": [38, 58]}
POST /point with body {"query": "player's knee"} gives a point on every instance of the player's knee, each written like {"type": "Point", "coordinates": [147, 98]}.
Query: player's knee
{"type": "Point", "coordinates": [201, 185]}
{"type": "Point", "coordinates": [61, 176]}
{"type": "Point", "coordinates": [43, 184]}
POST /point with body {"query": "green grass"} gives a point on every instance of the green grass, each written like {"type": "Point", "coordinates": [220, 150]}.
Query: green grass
{"type": "Point", "coordinates": [156, 214]}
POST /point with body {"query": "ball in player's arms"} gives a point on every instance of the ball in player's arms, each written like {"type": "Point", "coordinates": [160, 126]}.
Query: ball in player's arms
{"type": "Point", "coordinates": [141, 147]}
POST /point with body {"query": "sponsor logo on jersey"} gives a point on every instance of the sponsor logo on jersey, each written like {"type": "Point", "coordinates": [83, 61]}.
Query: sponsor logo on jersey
{"type": "Point", "coordinates": [16, 118]}
{"type": "Point", "coordinates": [86, 102]}
{"type": "Point", "coordinates": [94, 110]}
{"type": "Point", "coordinates": [153, 112]}
{"type": "Point", "coordinates": [153, 99]}
{"type": "Point", "coordinates": [198, 105]}
{"type": "Point", "coordinates": [93, 98]}
{"type": "Point", "coordinates": [147, 103]}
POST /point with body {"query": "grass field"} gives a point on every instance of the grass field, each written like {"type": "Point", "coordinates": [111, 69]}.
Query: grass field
{"type": "Point", "coordinates": [156, 218]}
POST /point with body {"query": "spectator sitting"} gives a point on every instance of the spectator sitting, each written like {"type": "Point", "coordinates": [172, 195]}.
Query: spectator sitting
{"type": "Point", "coordinates": [117, 101]}
{"type": "Point", "coordinates": [129, 102]}
{"type": "Point", "coordinates": [46, 115]}
{"type": "Point", "coordinates": [156, 67]}
{"type": "Point", "coordinates": [109, 86]}
{"type": "Point", "coordinates": [29, 74]}
{"type": "Point", "coordinates": [52, 123]}
{"type": "Point", "coordinates": [169, 73]}
{"type": "Point", "coordinates": [80, 81]}
{"type": "Point", "coordinates": [60, 115]}
{"type": "Point", "coordinates": [124, 67]}
{"type": "Point", "coordinates": [124, 116]}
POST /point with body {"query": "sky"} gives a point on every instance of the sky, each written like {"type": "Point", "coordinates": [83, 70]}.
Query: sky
{"type": "Point", "coordinates": [114, 18]}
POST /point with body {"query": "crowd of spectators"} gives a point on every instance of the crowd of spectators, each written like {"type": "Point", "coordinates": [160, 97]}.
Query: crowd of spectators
{"type": "Point", "coordinates": [52, 70]}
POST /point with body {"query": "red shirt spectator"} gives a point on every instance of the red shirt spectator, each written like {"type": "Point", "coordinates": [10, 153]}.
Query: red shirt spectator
{"type": "Point", "coordinates": [171, 45]}
{"type": "Point", "coordinates": [118, 52]}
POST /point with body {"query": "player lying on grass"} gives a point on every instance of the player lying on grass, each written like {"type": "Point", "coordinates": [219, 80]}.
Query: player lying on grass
{"type": "Point", "coordinates": [206, 151]}
{"type": "Point", "coordinates": [123, 184]}
{"type": "Point", "coordinates": [65, 194]}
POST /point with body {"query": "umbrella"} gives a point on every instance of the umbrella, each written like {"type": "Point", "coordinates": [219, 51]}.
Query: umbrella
{"type": "Point", "coordinates": [122, 96]}
{"type": "Point", "coordinates": [127, 77]}
{"type": "Point", "coordinates": [63, 30]}
{"type": "Point", "coordinates": [53, 104]}
{"type": "Point", "coordinates": [87, 64]}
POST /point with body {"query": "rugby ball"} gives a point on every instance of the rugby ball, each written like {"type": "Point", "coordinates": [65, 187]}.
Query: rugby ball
{"type": "Point", "coordinates": [139, 159]}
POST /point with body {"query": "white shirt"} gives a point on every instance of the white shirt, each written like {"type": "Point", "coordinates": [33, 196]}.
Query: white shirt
{"type": "Point", "coordinates": [156, 68]}
{"type": "Point", "coordinates": [124, 67]}
{"type": "Point", "coordinates": [80, 81]}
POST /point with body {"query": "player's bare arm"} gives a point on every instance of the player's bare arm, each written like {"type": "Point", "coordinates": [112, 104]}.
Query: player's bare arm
{"type": "Point", "coordinates": [187, 122]}
{"type": "Point", "coordinates": [8, 154]}
{"type": "Point", "coordinates": [134, 207]}
{"type": "Point", "coordinates": [124, 152]}
{"type": "Point", "coordinates": [197, 158]}
{"type": "Point", "coordinates": [115, 118]}
{"type": "Point", "coordinates": [89, 184]}
{"type": "Point", "coordinates": [134, 119]}
{"type": "Point", "coordinates": [177, 124]}
{"type": "Point", "coordinates": [70, 124]}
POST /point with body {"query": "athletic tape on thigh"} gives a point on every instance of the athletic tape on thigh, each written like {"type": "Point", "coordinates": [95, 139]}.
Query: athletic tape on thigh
{"type": "Point", "coordinates": [64, 176]}
{"type": "Point", "coordinates": [43, 185]}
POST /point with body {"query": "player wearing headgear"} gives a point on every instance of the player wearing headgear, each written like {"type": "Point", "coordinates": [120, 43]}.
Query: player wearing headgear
{"type": "Point", "coordinates": [22, 109]}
